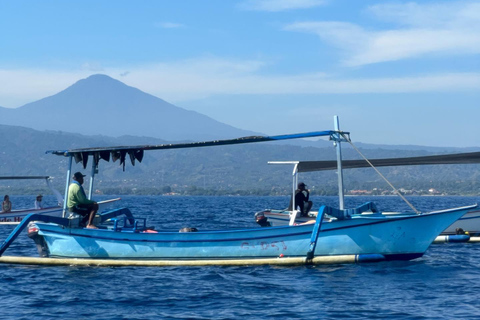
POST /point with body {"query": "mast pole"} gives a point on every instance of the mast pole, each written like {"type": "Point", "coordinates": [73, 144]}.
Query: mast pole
{"type": "Point", "coordinates": [339, 162]}
{"type": "Point", "coordinates": [67, 183]}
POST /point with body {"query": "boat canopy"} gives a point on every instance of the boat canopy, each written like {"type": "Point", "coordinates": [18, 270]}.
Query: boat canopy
{"type": "Point", "coordinates": [137, 152]}
{"type": "Point", "coordinates": [457, 158]}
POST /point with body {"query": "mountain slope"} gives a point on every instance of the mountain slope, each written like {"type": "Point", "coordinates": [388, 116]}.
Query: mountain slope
{"type": "Point", "coordinates": [102, 105]}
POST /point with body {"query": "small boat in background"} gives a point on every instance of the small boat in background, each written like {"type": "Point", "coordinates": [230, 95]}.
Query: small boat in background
{"type": "Point", "coordinates": [15, 216]}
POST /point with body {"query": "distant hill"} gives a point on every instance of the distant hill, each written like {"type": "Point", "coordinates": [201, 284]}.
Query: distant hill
{"type": "Point", "coordinates": [241, 169]}
{"type": "Point", "coordinates": [102, 105]}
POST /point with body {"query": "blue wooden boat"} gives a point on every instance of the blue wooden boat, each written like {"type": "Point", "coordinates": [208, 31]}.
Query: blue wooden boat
{"type": "Point", "coordinates": [121, 235]}
{"type": "Point", "coordinates": [394, 238]}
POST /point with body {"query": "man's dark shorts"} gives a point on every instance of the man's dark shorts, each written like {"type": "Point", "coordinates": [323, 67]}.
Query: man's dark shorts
{"type": "Point", "coordinates": [83, 209]}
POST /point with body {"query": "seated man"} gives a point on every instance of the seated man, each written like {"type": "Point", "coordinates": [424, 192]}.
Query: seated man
{"type": "Point", "coordinates": [6, 204]}
{"type": "Point", "coordinates": [301, 200]}
{"type": "Point", "coordinates": [79, 203]}
{"type": "Point", "coordinates": [38, 202]}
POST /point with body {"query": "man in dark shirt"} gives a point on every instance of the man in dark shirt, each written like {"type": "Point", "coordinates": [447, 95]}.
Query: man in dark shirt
{"type": "Point", "coordinates": [301, 199]}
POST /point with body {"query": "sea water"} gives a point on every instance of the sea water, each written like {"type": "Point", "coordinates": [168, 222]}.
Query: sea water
{"type": "Point", "coordinates": [443, 284]}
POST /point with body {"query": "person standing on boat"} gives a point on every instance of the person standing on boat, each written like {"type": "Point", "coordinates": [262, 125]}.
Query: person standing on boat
{"type": "Point", "coordinates": [38, 202]}
{"type": "Point", "coordinates": [302, 201]}
{"type": "Point", "coordinates": [6, 204]}
{"type": "Point", "coordinates": [79, 203]}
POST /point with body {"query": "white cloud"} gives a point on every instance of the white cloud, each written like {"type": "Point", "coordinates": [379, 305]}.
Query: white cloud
{"type": "Point", "coordinates": [435, 15]}
{"type": "Point", "coordinates": [344, 35]}
{"type": "Point", "coordinates": [279, 5]}
{"type": "Point", "coordinates": [188, 83]}
{"type": "Point", "coordinates": [448, 29]}
{"type": "Point", "coordinates": [21, 86]}
{"type": "Point", "coordinates": [200, 78]}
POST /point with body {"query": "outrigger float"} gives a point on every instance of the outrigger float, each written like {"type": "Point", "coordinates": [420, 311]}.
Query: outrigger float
{"type": "Point", "coordinates": [465, 229]}
{"type": "Point", "coordinates": [123, 239]}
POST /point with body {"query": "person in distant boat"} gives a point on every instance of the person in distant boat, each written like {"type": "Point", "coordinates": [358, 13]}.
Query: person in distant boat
{"type": "Point", "coordinates": [79, 203]}
{"type": "Point", "coordinates": [302, 201]}
{"type": "Point", "coordinates": [38, 202]}
{"type": "Point", "coordinates": [6, 204]}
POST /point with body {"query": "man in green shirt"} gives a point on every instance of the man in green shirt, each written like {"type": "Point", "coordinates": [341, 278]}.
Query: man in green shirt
{"type": "Point", "coordinates": [79, 203]}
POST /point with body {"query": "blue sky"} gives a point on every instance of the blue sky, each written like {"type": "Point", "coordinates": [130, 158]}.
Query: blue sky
{"type": "Point", "coordinates": [396, 72]}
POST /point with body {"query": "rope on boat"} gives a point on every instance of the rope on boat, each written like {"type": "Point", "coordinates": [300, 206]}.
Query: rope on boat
{"type": "Point", "coordinates": [381, 175]}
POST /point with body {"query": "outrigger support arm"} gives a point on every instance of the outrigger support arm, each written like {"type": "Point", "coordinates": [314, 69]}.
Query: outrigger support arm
{"type": "Point", "coordinates": [24, 223]}
{"type": "Point", "coordinates": [315, 232]}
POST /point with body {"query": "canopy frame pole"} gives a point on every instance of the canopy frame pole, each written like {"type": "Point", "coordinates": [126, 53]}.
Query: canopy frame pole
{"type": "Point", "coordinates": [336, 143]}
{"type": "Point", "coordinates": [92, 177]}
{"type": "Point", "coordinates": [294, 180]}
{"type": "Point", "coordinates": [67, 183]}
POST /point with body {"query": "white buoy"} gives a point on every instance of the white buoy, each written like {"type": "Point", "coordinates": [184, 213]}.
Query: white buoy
{"type": "Point", "coordinates": [452, 238]}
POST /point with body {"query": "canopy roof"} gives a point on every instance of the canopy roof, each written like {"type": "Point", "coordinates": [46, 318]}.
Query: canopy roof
{"type": "Point", "coordinates": [137, 152]}
{"type": "Point", "coordinates": [457, 158]}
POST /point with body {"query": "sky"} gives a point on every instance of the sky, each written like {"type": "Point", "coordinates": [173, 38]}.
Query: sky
{"type": "Point", "coordinates": [395, 72]}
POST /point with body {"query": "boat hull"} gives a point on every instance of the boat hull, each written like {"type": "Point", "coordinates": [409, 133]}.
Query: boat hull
{"type": "Point", "coordinates": [403, 238]}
